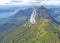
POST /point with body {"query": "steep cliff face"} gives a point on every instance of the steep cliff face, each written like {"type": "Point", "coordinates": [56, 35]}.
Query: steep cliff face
{"type": "Point", "coordinates": [38, 13]}
{"type": "Point", "coordinates": [34, 16]}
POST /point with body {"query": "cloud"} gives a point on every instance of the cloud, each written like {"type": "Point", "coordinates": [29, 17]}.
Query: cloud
{"type": "Point", "coordinates": [4, 1]}
{"type": "Point", "coordinates": [50, 3]}
{"type": "Point", "coordinates": [41, 2]}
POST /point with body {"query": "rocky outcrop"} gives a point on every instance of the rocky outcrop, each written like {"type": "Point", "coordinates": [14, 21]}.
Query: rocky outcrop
{"type": "Point", "coordinates": [38, 13]}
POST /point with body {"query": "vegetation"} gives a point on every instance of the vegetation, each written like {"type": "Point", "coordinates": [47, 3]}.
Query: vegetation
{"type": "Point", "coordinates": [44, 31]}
{"type": "Point", "coordinates": [58, 18]}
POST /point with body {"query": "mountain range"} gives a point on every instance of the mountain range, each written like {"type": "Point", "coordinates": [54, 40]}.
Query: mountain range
{"type": "Point", "coordinates": [18, 18]}
{"type": "Point", "coordinates": [40, 27]}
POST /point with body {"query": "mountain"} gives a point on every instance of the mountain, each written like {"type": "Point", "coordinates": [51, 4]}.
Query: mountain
{"type": "Point", "coordinates": [44, 30]}
{"type": "Point", "coordinates": [18, 18]}
{"type": "Point", "coordinates": [38, 13]}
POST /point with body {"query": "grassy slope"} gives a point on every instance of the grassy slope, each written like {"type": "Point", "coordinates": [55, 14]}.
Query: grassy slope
{"type": "Point", "coordinates": [13, 29]}
{"type": "Point", "coordinates": [42, 32]}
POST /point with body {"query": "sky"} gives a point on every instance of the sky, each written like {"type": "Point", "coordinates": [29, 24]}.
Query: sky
{"type": "Point", "coordinates": [14, 2]}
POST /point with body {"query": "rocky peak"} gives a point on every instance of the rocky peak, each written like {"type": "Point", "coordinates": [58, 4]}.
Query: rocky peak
{"type": "Point", "coordinates": [43, 12]}
{"type": "Point", "coordinates": [38, 13]}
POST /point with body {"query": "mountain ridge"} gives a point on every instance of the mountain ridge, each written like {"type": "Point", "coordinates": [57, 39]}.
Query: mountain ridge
{"type": "Point", "coordinates": [44, 31]}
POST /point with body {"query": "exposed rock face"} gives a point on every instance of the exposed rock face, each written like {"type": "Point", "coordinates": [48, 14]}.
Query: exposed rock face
{"type": "Point", "coordinates": [34, 17]}
{"type": "Point", "coordinates": [38, 13]}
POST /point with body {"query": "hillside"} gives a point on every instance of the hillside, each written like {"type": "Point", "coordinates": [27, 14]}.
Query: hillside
{"type": "Point", "coordinates": [44, 31]}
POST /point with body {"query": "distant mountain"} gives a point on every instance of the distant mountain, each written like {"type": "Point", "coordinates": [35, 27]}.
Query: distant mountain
{"type": "Point", "coordinates": [18, 18]}
{"type": "Point", "coordinates": [55, 12]}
